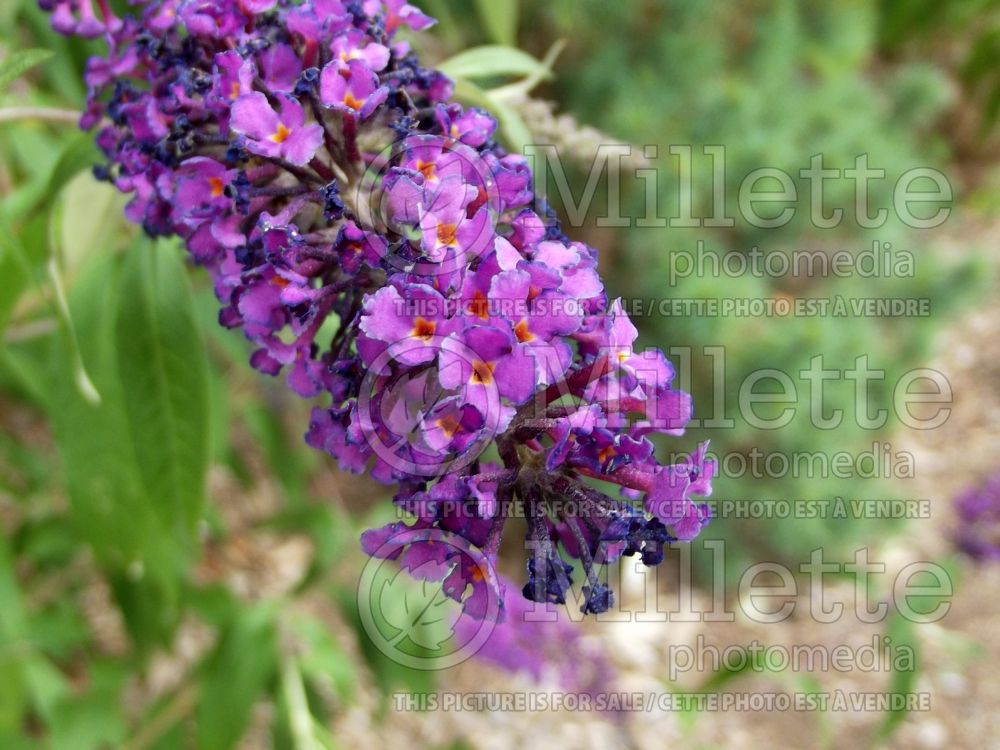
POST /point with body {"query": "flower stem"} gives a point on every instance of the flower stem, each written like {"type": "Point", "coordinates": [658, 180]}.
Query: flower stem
{"type": "Point", "coordinates": [48, 114]}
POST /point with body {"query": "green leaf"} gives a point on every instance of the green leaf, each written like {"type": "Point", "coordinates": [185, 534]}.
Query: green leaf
{"type": "Point", "coordinates": [515, 132]}
{"type": "Point", "coordinates": [323, 659]}
{"type": "Point", "coordinates": [112, 510]}
{"type": "Point", "coordinates": [81, 377]}
{"type": "Point", "coordinates": [301, 722]}
{"type": "Point", "coordinates": [79, 153]}
{"type": "Point", "coordinates": [12, 619]}
{"type": "Point", "coordinates": [491, 61]}
{"type": "Point", "coordinates": [752, 662]}
{"type": "Point", "coordinates": [92, 719]}
{"type": "Point", "coordinates": [163, 368]}
{"type": "Point", "coordinates": [47, 176]}
{"type": "Point", "coordinates": [904, 635]}
{"type": "Point", "coordinates": [16, 270]}
{"type": "Point", "coordinates": [20, 63]}
{"type": "Point", "coordinates": [389, 673]}
{"type": "Point", "coordinates": [520, 89]}
{"type": "Point", "coordinates": [240, 668]}
{"type": "Point", "coordinates": [47, 685]}
{"type": "Point", "coordinates": [148, 595]}
{"type": "Point", "coordinates": [285, 456]}
{"type": "Point", "coordinates": [11, 251]}
{"type": "Point", "coordinates": [500, 19]}
{"type": "Point", "coordinates": [91, 220]}
{"type": "Point", "coordinates": [447, 26]}
{"type": "Point", "coordinates": [98, 459]}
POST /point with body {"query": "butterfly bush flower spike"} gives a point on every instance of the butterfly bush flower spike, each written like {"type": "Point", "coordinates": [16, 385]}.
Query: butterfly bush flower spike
{"type": "Point", "coordinates": [380, 249]}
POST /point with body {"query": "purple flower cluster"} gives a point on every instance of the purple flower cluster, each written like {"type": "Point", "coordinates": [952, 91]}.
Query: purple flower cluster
{"type": "Point", "coordinates": [376, 245]}
{"type": "Point", "coordinates": [978, 509]}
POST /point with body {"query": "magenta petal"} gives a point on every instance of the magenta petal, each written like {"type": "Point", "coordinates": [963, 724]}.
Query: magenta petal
{"type": "Point", "coordinates": [303, 144]}
{"type": "Point", "coordinates": [253, 117]}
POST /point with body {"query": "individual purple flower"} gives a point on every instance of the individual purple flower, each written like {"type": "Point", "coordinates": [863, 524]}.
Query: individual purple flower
{"type": "Point", "coordinates": [472, 127]}
{"type": "Point", "coordinates": [412, 324]}
{"type": "Point", "coordinates": [540, 320]}
{"type": "Point", "coordinates": [198, 188]}
{"type": "Point", "coordinates": [281, 133]}
{"type": "Point", "coordinates": [399, 13]}
{"type": "Point", "coordinates": [482, 360]}
{"type": "Point", "coordinates": [353, 90]}
{"type": "Point", "coordinates": [451, 425]}
{"type": "Point", "coordinates": [232, 76]}
{"type": "Point", "coordinates": [280, 68]}
{"type": "Point", "coordinates": [446, 229]}
{"type": "Point", "coordinates": [356, 45]}
{"type": "Point", "coordinates": [257, 6]}
{"type": "Point", "coordinates": [212, 19]}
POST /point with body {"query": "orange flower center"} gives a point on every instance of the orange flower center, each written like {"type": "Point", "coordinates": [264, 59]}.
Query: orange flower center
{"type": "Point", "coordinates": [351, 102]}
{"type": "Point", "coordinates": [479, 306]}
{"type": "Point", "coordinates": [449, 425]}
{"type": "Point", "coordinates": [524, 335]}
{"type": "Point", "coordinates": [424, 329]}
{"type": "Point", "coordinates": [217, 187]}
{"type": "Point", "coordinates": [427, 169]}
{"type": "Point", "coordinates": [447, 234]}
{"type": "Point", "coordinates": [281, 134]}
{"type": "Point", "coordinates": [482, 373]}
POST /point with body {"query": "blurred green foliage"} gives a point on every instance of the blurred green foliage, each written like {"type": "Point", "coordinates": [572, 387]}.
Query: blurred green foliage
{"type": "Point", "coordinates": [776, 82]}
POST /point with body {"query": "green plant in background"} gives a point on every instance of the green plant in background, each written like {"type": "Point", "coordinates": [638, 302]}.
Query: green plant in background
{"type": "Point", "coordinates": [799, 81]}
{"type": "Point", "coordinates": [963, 37]}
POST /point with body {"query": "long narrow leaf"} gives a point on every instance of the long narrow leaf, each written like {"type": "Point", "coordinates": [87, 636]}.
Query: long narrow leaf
{"type": "Point", "coordinates": [20, 63]}
{"type": "Point", "coordinates": [163, 367]}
